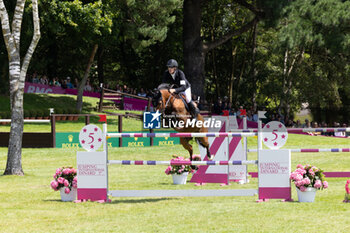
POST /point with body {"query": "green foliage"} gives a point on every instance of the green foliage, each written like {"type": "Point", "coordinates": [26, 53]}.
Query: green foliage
{"type": "Point", "coordinates": [147, 21]}
{"type": "Point", "coordinates": [321, 23]}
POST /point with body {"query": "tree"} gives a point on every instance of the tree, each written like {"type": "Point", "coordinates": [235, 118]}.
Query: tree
{"type": "Point", "coordinates": [321, 29]}
{"type": "Point", "coordinates": [195, 49]}
{"type": "Point", "coordinates": [17, 74]}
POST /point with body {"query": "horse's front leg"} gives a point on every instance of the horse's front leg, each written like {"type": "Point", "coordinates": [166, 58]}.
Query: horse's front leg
{"type": "Point", "coordinates": [204, 142]}
{"type": "Point", "coordinates": [185, 142]}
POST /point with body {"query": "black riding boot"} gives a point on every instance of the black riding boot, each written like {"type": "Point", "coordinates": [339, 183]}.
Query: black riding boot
{"type": "Point", "coordinates": [193, 109]}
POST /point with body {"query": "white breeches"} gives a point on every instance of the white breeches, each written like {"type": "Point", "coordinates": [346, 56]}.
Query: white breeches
{"type": "Point", "coordinates": [188, 95]}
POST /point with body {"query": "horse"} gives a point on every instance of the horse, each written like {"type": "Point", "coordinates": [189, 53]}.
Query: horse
{"type": "Point", "coordinates": [173, 105]}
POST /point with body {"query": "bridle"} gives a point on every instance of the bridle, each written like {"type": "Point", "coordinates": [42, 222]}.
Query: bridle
{"type": "Point", "coordinates": [164, 104]}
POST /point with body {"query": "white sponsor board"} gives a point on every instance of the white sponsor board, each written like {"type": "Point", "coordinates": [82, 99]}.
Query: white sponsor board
{"type": "Point", "coordinates": [92, 170]}
{"type": "Point", "coordinates": [274, 168]}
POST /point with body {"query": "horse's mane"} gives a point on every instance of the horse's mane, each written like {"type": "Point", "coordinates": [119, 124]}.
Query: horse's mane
{"type": "Point", "coordinates": [164, 86]}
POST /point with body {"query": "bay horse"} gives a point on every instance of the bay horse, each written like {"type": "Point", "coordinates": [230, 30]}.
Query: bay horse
{"type": "Point", "coordinates": [173, 105]}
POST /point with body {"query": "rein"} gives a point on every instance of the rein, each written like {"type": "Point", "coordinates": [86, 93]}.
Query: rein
{"type": "Point", "coordinates": [168, 101]}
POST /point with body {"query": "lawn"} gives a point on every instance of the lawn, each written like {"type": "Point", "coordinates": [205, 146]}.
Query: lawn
{"type": "Point", "coordinates": [28, 204]}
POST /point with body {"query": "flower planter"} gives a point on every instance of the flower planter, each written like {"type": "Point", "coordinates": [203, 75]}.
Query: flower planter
{"type": "Point", "coordinates": [70, 118]}
{"type": "Point", "coordinates": [72, 196]}
{"type": "Point", "coordinates": [180, 179]}
{"type": "Point", "coordinates": [307, 196]}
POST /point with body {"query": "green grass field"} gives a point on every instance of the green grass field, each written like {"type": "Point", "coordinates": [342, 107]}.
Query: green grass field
{"type": "Point", "coordinates": [28, 204]}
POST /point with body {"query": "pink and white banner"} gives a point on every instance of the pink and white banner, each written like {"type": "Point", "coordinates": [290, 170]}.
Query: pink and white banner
{"type": "Point", "coordinates": [40, 88]}
{"type": "Point", "coordinates": [46, 89]}
{"type": "Point", "coordinates": [129, 103]}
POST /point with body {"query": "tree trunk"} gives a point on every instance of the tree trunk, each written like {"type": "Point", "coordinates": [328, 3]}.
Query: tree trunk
{"type": "Point", "coordinates": [14, 154]}
{"type": "Point", "coordinates": [194, 48]}
{"type": "Point", "coordinates": [17, 74]}
{"type": "Point", "coordinates": [253, 67]}
{"type": "Point", "coordinates": [100, 68]}
{"type": "Point", "coordinates": [79, 106]}
{"type": "Point", "coordinates": [194, 56]}
{"type": "Point", "coordinates": [232, 76]}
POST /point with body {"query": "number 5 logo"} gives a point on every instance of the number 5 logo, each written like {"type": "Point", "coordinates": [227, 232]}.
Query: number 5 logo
{"type": "Point", "coordinates": [91, 137]}
{"type": "Point", "coordinates": [275, 135]}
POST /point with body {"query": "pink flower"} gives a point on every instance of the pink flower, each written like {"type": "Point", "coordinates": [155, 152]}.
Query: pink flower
{"type": "Point", "coordinates": [60, 180]}
{"type": "Point", "coordinates": [311, 172]}
{"type": "Point", "coordinates": [298, 177]}
{"type": "Point", "coordinates": [66, 183]}
{"type": "Point", "coordinates": [347, 189]}
{"type": "Point", "coordinates": [299, 183]}
{"type": "Point", "coordinates": [54, 185]}
{"type": "Point", "coordinates": [325, 184]}
{"type": "Point", "coordinates": [302, 188]}
{"type": "Point", "coordinates": [66, 171]}
{"type": "Point", "coordinates": [292, 175]}
{"type": "Point", "coordinates": [300, 171]}
{"type": "Point", "coordinates": [306, 181]}
{"type": "Point", "coordinates": [67, 190]}
{"type": "Point", "coordinates": [168, 170]}
{"type": "Point", "coordinates": [58, 173]}
{"type": "Point", "coordinates": [75, 184]}
{"type": "Point", "coordinates": [318, 184]}
{"type": "Point", "coordinates": [75, 178]}
{"type": "Point", "coordinates": [300, 166]}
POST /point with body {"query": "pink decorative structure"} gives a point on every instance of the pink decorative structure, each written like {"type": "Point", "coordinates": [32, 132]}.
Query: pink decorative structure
{"type": "Point", "coordinates": [227, 148]}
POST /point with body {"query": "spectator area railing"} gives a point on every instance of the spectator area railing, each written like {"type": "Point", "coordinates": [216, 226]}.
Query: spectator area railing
{"type": "Point", "coordinates": [116, 99]}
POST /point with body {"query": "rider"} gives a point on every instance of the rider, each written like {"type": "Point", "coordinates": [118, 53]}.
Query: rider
{"type": "Point", "coordinates": [175, 76]}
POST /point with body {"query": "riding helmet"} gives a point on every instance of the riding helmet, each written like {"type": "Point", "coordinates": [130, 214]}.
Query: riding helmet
{"type": "Point", "coordinates": [172, 63]}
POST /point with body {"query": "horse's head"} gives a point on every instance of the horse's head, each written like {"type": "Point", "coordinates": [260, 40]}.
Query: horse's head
{"type": "Point", "coordinates": [158, 94]}
{"type": "Point", "coordinates": [156, 99]}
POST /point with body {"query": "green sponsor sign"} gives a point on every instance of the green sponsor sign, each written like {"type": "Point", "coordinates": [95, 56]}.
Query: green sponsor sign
{"type": "Point", "coordinates": [136, 142]}
{"type": "Point", "coordinates": [166, 141]}
{"type": "Point", "coordinates": [71, 140]}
